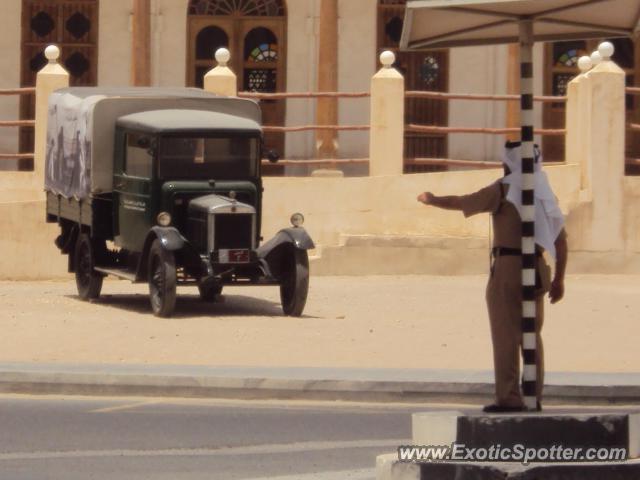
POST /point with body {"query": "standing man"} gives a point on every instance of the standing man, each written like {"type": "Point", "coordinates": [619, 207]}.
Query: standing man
{"type": "Point", "coordinates": [503, 199]}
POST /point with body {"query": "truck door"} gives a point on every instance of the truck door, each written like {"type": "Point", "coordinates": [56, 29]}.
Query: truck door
{"type": "Point", "coordinates": [133, 189]}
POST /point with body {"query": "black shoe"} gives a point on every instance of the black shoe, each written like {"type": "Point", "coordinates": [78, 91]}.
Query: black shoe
{"type": "Point", "coordinates": [495, 408]}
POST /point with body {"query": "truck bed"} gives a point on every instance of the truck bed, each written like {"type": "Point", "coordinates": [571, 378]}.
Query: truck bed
{"type": "Point", "coordinates": [94, 212]}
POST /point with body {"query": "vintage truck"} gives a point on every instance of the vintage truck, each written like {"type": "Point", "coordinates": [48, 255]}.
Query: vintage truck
{"type": "Point", "coordinates": [163, 185]}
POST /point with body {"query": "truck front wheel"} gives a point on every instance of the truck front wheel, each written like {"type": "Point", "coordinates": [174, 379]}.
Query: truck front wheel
{"type": "Point", "coordinates": [162, 280]}
{"type": "Point", "coordinates": [294, 284]}
{"type": "Point", "coordinates": [88, 281]}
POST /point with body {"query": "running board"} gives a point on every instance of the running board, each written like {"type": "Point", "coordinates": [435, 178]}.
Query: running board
{"type": "Point", "coordinates": [117, 272]}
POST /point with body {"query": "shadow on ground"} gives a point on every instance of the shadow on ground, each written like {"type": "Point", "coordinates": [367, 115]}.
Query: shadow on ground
{"type": "Point", "coordinates": [191, 306]}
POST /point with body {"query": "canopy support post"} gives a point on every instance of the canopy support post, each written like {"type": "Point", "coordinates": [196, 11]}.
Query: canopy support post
{"type": "Point", "coordinates": [529, 344]}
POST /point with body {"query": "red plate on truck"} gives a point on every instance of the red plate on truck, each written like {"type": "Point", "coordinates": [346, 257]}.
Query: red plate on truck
{"type": "Point", "coordinates": [234, 256]}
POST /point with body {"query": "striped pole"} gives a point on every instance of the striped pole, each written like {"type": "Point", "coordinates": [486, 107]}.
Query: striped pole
{"type": "Point", "coordinates": [529, 372]}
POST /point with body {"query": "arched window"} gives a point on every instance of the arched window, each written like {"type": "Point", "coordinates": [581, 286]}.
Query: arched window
{"type": "Point", "coordinates": [261, 58]}
{"type": "Point", "coordinates": [255, 33]}
{"type": "Point", "coordinates": [70, 24]}
{"type": "Point", "coordinates": [207, 41]}
{"type": "Point", "coordinates": [423, 70]}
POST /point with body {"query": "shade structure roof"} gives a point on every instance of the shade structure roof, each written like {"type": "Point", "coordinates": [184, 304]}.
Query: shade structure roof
{"type": "Point", "coordinates": [452, 23]}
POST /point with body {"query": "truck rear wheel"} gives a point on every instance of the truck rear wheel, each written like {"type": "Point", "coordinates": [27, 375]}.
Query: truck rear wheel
{"type": "Point", "coordinates": [162, 280]}
{"type": "Point", "coordinates": [88, 281]}
{"type": "Point", "coordinates": [294, 284]}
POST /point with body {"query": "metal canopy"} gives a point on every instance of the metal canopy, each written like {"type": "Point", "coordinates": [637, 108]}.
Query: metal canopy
{"type": "Point", "coordinates": [451, 23]}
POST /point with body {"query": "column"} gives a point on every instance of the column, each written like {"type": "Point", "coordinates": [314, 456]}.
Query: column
{"type": "Point", "coordinates": [141, 44]}
{"type": "Point", "coordinates": [327, 108]}
{"type": "Point", "coordinates": [52, 77]}
{"type": "Point", "coordinates": [386, 144]}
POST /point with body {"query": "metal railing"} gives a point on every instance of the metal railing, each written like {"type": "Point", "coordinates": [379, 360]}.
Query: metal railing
{"type": "Point", "coordinates": [17, 123]}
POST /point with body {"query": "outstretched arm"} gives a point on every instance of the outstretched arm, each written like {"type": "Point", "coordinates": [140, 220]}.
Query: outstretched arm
{"type": "Point", "coordinates": [448, 203]}
{"type": "Point", "coordinates": [557, 285]}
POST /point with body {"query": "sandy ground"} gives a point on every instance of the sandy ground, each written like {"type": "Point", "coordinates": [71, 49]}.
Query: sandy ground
{"type": "Point", "coordinates": [386, 321]}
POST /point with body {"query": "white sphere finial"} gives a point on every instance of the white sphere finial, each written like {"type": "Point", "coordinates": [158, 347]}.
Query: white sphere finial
{"type": "Point", "coordinates": [606, 49]}
{"type": "Point", "coordinates": [596, 58]}
{"type": "Point", "coordinates": [223, 56]}
{"type": "Point", "coordinates": [584, 63]}
{"type": "Point", "coordinates": [387, 58]}
{"type": "Point", "coordinates": [52, 53]}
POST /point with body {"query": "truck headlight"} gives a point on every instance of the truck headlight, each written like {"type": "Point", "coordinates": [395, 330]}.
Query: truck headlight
{"type": "Point", "coordinates": [297, 219]}
{"type": "Point", "coordinates": [164, 219]}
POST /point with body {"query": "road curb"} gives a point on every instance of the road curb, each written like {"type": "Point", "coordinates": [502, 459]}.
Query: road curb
{"type": "Point", "coordinates": [370, 385]}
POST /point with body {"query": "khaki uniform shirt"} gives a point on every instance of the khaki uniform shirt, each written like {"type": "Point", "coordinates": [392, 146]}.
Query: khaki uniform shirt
{"type": "Point", "coordinates": [507, 225]}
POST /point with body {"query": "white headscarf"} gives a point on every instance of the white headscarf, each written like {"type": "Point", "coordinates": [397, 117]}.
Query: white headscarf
{"type": "Point", "coordinates": [549, 219]}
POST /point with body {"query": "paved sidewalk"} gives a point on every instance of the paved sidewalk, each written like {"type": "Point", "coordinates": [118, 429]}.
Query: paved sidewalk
{"type": "Point", "coordinates": [416, 385]}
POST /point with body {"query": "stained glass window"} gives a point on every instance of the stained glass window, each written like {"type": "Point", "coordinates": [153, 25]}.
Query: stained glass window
{"type": "Point", "coordinates": [264, 53]}
{"type": "Point", "coordinates": [262, 8]}
{"type": "Point", "coordinates": [560, 82]}
{"type": "Point", "coordinates": [260, 80]}
{"type": "Point", "coordinates": [430, 70]}
{"type": "Point", "coordinates": [567, 54]}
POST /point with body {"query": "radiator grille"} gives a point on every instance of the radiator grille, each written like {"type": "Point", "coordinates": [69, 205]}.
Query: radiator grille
{"type": "Point", "coordinates": [233, 231]}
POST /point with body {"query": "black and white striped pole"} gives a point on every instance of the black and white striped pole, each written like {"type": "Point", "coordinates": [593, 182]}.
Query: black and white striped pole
{"type": "Point", "coordinates": [529, 347]}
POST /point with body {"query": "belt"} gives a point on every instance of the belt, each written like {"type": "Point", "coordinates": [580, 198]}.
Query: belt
{"type": "Point", "coordinates": [505, 251]}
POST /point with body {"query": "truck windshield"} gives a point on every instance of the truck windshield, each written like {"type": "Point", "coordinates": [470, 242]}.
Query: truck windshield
{"type": "Point", "coordinates": [208, 157]}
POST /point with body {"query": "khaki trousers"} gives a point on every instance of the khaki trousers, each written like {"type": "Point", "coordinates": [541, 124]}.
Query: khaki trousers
{"type": "Point", "coordinates": [504, 302]}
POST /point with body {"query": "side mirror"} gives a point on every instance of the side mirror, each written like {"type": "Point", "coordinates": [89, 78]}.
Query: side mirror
{"type": "Point", "coordinates": [273, 156]}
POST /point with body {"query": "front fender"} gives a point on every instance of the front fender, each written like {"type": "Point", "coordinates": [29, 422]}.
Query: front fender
{"type": "Point", "coordinates": [296, 236]}
{"type": "Point", "coordinates": [273, 254]}
{"type": "Point", "coordinates": [169, 237]}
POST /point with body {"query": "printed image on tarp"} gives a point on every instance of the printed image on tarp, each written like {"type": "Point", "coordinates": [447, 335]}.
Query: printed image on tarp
{"type": "Point", "coordinates": [68, 153]}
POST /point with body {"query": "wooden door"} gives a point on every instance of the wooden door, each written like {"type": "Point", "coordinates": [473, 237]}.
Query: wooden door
{"type": "Point", "coordinates": [255, 33]}
{"type": "Point", "coordinates": [423, 70]}
{"type": "Point", "coordinates": [561, 59]}
{"type": "Point", "coordinates": [73, 26]}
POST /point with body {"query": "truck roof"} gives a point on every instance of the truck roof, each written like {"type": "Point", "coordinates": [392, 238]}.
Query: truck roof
{"type": "Point", "coordinates": [139, 92]}
{"type": "Point", "coordinates": [184, 120]}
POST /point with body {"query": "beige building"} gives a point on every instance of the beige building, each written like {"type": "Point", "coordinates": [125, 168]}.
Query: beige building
{"type": "Point", "coordinates": [275, 46]}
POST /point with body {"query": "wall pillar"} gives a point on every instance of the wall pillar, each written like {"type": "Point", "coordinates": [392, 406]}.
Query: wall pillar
{"type": "Point", "coordinates": [221, 80]}
{"type": "Point", "coordinates": [327, 110]}
{"type": "Point", "coordinates": [513, 88]}
{"type": "Point", "coordinates": [578, 112]}
{"type": "Point", "coordinates": [52, 77]}
{"type": "Point", "coordinates": [606, 148]}
{"type": "Point", "coordinates": [141, 44]}
{"type": "Point", "coordinates": [386, 145]}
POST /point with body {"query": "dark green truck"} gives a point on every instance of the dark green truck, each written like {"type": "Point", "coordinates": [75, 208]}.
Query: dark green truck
{"type": "Point", "coordinates": [163, 186]}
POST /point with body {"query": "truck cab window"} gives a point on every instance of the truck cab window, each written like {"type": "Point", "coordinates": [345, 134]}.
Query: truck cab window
{"type": "Point", "coordinates": [138, 161]}
{"type": "Point", "coordinates": [212, 157]}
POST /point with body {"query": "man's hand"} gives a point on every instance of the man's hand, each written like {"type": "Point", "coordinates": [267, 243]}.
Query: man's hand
{"type": "Point", "coordinates": [557, 290]}
{"type": "Point", "coordinates": [426, 198]}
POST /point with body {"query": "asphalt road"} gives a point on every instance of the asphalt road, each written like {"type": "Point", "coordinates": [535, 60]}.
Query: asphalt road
{"type": "Point", "coordinates": [98, 438]}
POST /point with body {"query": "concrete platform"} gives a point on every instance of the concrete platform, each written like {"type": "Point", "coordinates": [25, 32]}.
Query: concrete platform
{"type": "Point", "coordinates": [388, 468]}
{"type": "Point", "coordinates": [568, 430]}
{"type": "Point", "coordinates": [534, 430]}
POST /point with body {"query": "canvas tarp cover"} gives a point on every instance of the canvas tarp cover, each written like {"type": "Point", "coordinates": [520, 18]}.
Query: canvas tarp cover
{"type": "Point", "coordinates": [81, 130]}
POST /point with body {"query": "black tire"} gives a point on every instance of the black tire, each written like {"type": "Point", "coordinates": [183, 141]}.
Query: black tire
{"type": "Point", "coordinates": [88, 281]}
{"type": "Point", "coordinates": [162, 280]}
{"type": "Point", "coordinates": [209, 293]}
{"type": "Point", "coordinates": [294, 284]}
